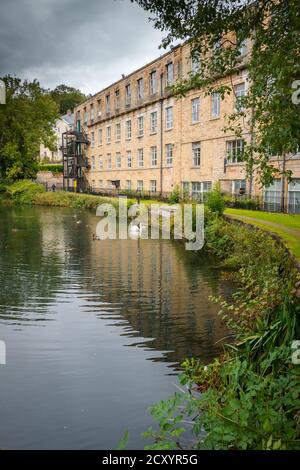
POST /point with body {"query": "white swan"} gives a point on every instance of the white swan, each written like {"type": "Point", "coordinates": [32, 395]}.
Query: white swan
{"type": "Point", "coordinates": [135, 230]}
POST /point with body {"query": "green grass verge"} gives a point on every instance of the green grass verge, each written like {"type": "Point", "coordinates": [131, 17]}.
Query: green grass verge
{"type": "Point", "coordinates": [288, 225]}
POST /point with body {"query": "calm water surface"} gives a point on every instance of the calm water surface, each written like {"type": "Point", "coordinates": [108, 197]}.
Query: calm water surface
{"type": "Point", "coordinates": [94, 330]}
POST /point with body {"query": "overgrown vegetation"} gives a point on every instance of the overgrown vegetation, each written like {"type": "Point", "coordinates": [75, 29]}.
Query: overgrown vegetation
{"type": "Point", "coordinates": [249, 397]}
{"type": "Point", "coordinates": [26, 121]}
{"type": "Point", "coordinates": [54, 168]}
{"type": "Point", "coordinates": [28, 192]}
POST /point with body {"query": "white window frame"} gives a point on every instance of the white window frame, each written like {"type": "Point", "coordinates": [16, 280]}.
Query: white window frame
{"type": "Point", "coordinates": [153, 186]}
{"type": "Point", "coordinates": [169, 154]}
{"type": "Point", "coordinates": [153, 122]}
{"type": "Point", "coordinates": [118, 132]}
{"type": "Point", "coordinates": [196, 151]}
{"type": "Point", "coordinates": [153, 155]}
{"type": "Point", "coordinates": [239, 92]}
{"type": "Point", "coordinates": [118, 160]}
{"type": "Point", "coordinates": [129, 159]}
{"type": "Point", "coordinates": [140, 185]}
{"type": "Point", "coordinates": [170, 74]}
{"type": "Point", "coordinates": [128, 94]}
{"type": "Point", "coordinates": [169, 117]}
{"type": "Point", "coordinates": [140, 126]}
{"type": "Point", "coordinates": [140, 158]}
{"type": "Point", "coordinates": [234, 148]}
{"type": "Point", "coordinates": [109, 162]}
{"type": "Point", "coordinates": [107, 103]}
{"type": "Point", "coordinates": [152, 83]}
{"type": "Point", "coordinates": [140, 88]}
{"type": "Point", "coordinates": [215, 105]}
{"type": "Point", "coordinates": [128, 129]}
{"type": "Point", "coordinates": [108, 134]}
{"type": "Point", "coordinates": [195, 110]}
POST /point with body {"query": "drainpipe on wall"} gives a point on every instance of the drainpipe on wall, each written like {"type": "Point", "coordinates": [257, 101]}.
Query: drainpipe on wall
{"type": "Point", "coordinates": [161, 131]}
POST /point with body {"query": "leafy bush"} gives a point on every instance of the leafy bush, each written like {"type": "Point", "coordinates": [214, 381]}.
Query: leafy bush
{"type": "Point", "coordinates": [250, 395]}
{"type": "Point", "coordinates": [174, 197]}
{"type": "Point", "coordinates": [24, 191]}
{"type": "Point", "coordinates": [57, 168]}
{"type": "Point", "coordinates": [215, 200]}
{"type": "Point", "coordinates": [242, 203]}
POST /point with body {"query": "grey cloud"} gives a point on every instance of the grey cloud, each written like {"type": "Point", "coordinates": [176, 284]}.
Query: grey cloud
{"type": "Point", "coordinates": [87, 44]}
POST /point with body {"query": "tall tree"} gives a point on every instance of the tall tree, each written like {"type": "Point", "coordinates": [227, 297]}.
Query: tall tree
{"type": "Point", "coordinates": [67, 97]}
{"type": "Point", "coordinates": [217, 31]}
{"type": "Point", "coordinates": [26, 120]}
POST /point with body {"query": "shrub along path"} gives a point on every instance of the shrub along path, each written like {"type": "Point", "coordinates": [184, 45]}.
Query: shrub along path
{"type": "Point", "coordinates": [287, 226]}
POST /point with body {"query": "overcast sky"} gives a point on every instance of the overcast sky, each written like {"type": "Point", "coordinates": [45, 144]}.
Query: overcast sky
{"type": "Point", "coordinates": [87, 44]}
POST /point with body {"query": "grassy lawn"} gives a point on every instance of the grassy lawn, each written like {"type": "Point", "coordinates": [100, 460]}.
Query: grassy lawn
{"type": "Point", "coordinates": [287, 226]}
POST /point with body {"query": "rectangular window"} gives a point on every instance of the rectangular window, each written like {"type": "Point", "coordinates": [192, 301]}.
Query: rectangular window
{"type": "Point", "coordinates": [215, 105]}
{"type": "Point", "coordinates": [239, 92]}
{"type": "Point", "coordinates": [153, 186]}
{"type": "Point", "coordinates": [109, 165]}
{"type": "Point", "coordinates": [169, 117]}
{"type": "Point", "coordinates": [140, 185]}
{"type": "Point", "coordinates": [128, 129]}
{"type": "Point", "coordinates": [170, 74]}
{"type": "Point", "coordinates": [117, 100]}
{"type": "Point", "coordinates": [128, 185]}
{"type": "Point", "coordinates": [238, 187]}
{"type": "Point", "coordinates": [196, 149]}
{"type": "Point", "coordinates": [153, 122]}
{"type": "Point", "coordinates": [108, 134]}
{"type": "Point", "coordinates": [140, 157]}
{"type": "Point", "coordinates": [272, 197]}
{"type": "Point", "coordinates": [107, 101]}
{"type": "Point", "coordinates": [195, 110]}
{"type": "Point", "coordinates": [100, 184]}
{"type": "Point", "coordinates": [153, 83]}
{"type": "Point", "coordinates": [140, 89]}
{"type": "Point", "coordinates": [99, 108]}
{"type": "Point", "coordinates": [294, 197]}
{"type": "Point", "coordinates": [100, 163]}
{"type": "Point", "coordinates": [243, 48]}
{"type": "Point", "coordinates": [100, 137]}
{"type": "Point", "coordinates": [199, 189]}
{"type": "Point", "coordinates": [235, 149]}
{"type": "Point", "coordinates": [140, 126]}
{"type": "Point", "coordinates": [86, 117]}
{"type": "Point", "coordinates": [153, 152]}
{"type": "Point", "coordinates": [169, 154]}
{"type": "Point", "coordinates": [92, 114]}
{"type": "Point", "coordinates": [118, 132]}
{"type": "Point", "coordinates": [118, 160]}
{"type": "Point", "coordinates": [92, 139]}
{"type": "Point", "coordinates": [93, 163]}
{"type": "Point", "coordinates": [195, 64]}
{"type": "Point", "coordinates": [128, 94]}
{"type": "Point", "coordinates": [129, 159]}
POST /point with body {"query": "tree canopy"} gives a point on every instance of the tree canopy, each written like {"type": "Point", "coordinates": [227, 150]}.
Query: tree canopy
{"type": "Point", "coordinates": [66, 97]}
{"type": "Point", "coordinates": [217, 30]}
{"type": "Point", "coordinates": [26, 120]}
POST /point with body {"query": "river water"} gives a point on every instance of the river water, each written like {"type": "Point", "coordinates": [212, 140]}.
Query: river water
{"type": "Point", "coordinates": [94, 330]}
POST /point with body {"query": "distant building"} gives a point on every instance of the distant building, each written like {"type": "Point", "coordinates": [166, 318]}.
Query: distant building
{"type": "Point", "coordinates": [63, 124]}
